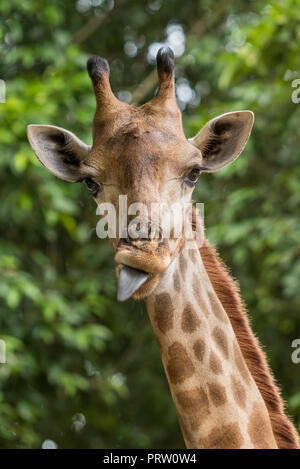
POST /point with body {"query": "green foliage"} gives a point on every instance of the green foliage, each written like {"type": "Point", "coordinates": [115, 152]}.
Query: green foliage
{"type": "Point", "coordinates": [83, 370]}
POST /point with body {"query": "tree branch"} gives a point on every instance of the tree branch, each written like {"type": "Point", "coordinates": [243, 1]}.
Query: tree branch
{"type": "Point", "coordinates": [90, 27]}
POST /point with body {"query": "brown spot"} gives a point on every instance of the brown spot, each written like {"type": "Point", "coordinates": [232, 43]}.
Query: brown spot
{"type": "Point", "coordinates": [238, 391]}
{"type": "Point", "coordinates": [190, 320]}
{"type": "Point", "coordinates": [176, 282]}
{"type": "Point", "coordinates": [216, 307]}
{"type": "Point", "coordinates": [180, 366]}
{"type": "Point", "coordinates": [217, 394]}
{"type": "Point", "coordinates": [227, 437]}
{"type": "Point", "coordinates": [221, 341]}
{"type": "Point", "coordinates": [259, 427]}
{"type": "Point", "coordinates": [199, 349]}
{"type": "Point", "coordinates": [215, 364]}
{"type": "Point", "coordinates": [241, 365]}
{"type": "Point", "coordinates": [183, 264]}
{"type": "Point", "coordinates": [195, 403]}
{"type": "Point", "coordinates": [164, 312]}
{"type": "Point", "coordinates": [200, 300]}
{"type": "Point", "coordinates": [196, 421]}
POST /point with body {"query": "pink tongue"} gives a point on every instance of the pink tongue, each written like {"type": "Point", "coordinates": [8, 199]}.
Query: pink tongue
{"type": "Point", "coordinates": [129, 281]}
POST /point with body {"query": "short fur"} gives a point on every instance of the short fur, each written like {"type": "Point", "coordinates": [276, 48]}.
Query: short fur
{"type": "Point", "coordinates": [228, 292]}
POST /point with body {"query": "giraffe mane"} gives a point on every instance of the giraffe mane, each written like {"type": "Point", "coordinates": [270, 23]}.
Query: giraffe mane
{"type": "Point", "coordinates": [227, 291]}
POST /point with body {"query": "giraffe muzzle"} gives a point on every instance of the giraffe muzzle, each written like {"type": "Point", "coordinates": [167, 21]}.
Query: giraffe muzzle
{"type": "Point", "coordinates": [146, 257]}
{"type": "Point", "coordinates": [138, 265]}
{"type": "Point", "coordinates": [140, 259]}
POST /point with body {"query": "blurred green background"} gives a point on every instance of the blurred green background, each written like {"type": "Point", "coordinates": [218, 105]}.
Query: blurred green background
{"type": "Point", "coordinates": [82, 370]}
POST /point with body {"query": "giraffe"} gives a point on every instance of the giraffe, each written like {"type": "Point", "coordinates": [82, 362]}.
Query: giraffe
{"type": "Point", "coordinates": [219, 379]}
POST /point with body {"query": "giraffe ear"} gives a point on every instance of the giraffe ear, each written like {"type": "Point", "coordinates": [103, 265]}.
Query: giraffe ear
{"type": "Point", "coordinates": [223, 138]}
{"type": "Point", "coordinates": [59, 150]}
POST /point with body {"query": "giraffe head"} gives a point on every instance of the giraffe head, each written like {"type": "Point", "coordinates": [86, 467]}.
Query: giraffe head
{"type": "Point", "coordinates": [141, 152]}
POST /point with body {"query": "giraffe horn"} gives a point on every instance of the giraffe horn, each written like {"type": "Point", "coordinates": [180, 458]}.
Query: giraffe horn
{"type": "Point", "coordinates": [98, 70]}
{"type": "Point", "coordinates": [165, 71]}
{"type": "Point", "coordinates": [165, 99]}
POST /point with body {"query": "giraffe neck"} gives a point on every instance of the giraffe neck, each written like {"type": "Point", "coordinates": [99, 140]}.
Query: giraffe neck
{"type": "Point", "coordinates": [217, 401]}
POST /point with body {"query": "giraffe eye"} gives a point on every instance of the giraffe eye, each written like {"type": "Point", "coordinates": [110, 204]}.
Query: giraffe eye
{"type": "Point", "coordinates": [192, 178]}
{"type": "Point", "coordinates": [93, 187]}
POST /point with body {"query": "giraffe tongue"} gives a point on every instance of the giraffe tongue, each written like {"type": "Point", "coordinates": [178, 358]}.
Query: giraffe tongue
{"type": "Point", "coordinates": [129, 281]}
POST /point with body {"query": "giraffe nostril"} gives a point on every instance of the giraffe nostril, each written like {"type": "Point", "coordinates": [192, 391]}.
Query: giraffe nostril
{"type": "Point", "coordinates": [125, 241]}
{"type": "Point", "coordinates": [144, 230]}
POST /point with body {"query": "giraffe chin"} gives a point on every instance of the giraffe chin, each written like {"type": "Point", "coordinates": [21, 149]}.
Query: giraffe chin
{"type": "Point", "coordinates": [147, 288]}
